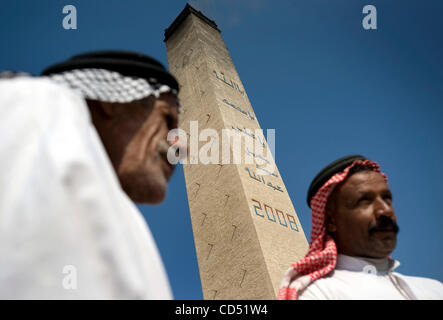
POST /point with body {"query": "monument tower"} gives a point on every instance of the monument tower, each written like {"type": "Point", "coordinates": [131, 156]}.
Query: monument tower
{"type": "Point", "coordinates": [246, 231]}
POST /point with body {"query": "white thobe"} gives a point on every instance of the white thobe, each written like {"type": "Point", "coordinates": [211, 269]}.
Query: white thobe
{"type": "Point", "coordinates": [357, 278]}
{"type": "Point", "coordinates": [67, 230]}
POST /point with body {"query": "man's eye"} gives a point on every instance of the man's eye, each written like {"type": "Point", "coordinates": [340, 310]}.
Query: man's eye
{"type": "Point", "coordinates": [170, 120]}
{"type": "Point", "coordinates": [364, 200]}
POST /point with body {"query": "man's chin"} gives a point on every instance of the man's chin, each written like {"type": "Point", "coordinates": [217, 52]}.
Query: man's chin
{"type": "Point", "coordinates": [151, 196]}
{"type": "Point", "coordinates": [155, 197]}
{"type": "Point", "coordinates": [150, 190]}
{"type": "Point", "coordinates": [384, 247]}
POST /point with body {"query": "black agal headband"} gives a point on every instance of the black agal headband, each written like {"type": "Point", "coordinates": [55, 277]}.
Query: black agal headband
{"type": "Point", "coordinates": [113, 76]}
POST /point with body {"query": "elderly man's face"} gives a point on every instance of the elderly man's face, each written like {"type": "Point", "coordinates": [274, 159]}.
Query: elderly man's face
{"type": "Point", "coordinates": [361, 217]}
{"type": "Point", "coordinates": [133, 134]}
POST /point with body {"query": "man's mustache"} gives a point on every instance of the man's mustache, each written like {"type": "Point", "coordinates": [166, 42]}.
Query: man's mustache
{"type": "Point", "coordinates": [384, 224]}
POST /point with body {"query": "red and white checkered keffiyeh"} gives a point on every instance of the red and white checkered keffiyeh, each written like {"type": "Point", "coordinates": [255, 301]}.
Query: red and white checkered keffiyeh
{"type": "Point", "coordinates": [322, 255]}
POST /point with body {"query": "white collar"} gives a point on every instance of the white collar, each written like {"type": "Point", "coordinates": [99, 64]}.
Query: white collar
{"type": "Point", "coordinates": [366, 265]}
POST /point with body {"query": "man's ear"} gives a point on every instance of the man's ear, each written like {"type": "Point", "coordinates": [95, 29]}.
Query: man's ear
{"type": "Point", "coordinates": [103, 107]}
{"type": "Point", "coordinates": [107, 108]}
{"type": "Point", "coordinates": [330, 211]}
{"type": "Point", "coordinates": [329, 222]}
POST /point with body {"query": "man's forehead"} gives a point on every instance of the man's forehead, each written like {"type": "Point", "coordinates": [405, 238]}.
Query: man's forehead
{"type": "Point", "coordinates": [364, 181]}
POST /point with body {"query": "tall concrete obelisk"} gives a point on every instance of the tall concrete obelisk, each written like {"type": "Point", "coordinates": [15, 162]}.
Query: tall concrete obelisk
{"type": "Point", "coordinates": [246, 231]}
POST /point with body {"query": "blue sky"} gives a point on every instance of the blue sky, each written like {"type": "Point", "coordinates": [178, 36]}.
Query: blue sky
{"type": "Point", "coordinates": [328, 87]}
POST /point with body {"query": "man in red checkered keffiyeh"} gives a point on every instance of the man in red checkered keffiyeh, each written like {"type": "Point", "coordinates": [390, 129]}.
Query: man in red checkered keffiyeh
{"type": "Point", "coordinates": [353, 234]}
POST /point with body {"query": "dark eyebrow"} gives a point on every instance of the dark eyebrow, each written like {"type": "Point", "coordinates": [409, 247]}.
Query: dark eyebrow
{"type": "Point", "coordinates": [364, 193]}
{"type": "Point", "coordinates": [352, 201]}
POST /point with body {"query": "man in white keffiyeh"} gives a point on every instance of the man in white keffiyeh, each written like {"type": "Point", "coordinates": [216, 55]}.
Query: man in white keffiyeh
{"type": "Point", "coordinates": [79, 145]}
{"type": "Point", "coordinates": [353, 233]}
{"type": "Point", "coordinates": [121, 85]}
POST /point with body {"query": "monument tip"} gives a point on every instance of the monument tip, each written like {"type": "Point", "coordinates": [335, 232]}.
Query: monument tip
{"type": "Point", "coordinates": [188, 9]}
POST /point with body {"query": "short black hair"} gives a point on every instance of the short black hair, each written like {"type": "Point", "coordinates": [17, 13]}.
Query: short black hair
{"type": "Point", "coordinates": [358, 168]}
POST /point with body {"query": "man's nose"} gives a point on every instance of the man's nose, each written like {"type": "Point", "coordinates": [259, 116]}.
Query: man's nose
{"type": "Point", "coordinates": [383, 207]}
{"type": "Point", "coordinates": [179, 144]}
